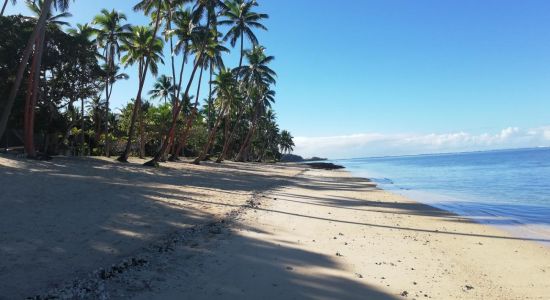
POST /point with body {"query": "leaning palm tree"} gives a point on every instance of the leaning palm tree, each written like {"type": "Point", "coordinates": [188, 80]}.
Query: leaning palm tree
{"type": "Point", "coordinates": [34, 77]}
{"type": "Point", "coordinates": [242, 20]}
{"type": "Point", "coordinates": [143, 48]}
{"type": "Point", "coordinates": [200, 44]}
{"type": "Point", "coordinates": [6, 4]}
{"type": "Point", "coordinates": [39, 28]}
{"type": "Point", "coordinates": [238, 105]}
{"type": "Point", "coordinates": [207, 43]}
{"type": "Point", "coordinates": [162, 89]}
{"type": "Point", "coordinates": [257, 76]}
{"type": "Point", "coordinates": [109, 36]}
{"type": "Point", "coordinates": [225, 87]}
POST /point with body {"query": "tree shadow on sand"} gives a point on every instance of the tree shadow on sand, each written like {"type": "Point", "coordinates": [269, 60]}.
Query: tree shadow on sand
{"type": "Point", "coordinates": [63, 218]}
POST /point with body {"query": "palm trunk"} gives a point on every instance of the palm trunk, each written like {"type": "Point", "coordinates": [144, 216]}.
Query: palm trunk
{"type": "Point", "coordinates": [141, 135]}
{"type": "Point", "coordinates": [126, 153]}
{"type": "Point", "coordinates": [29, 110]}
{"type": "Point", "coordinates": [211, 137]}
{"type": "Point", "coordinates": [111, 55]}
{"type": "Point", "coordinates": [172, 130]}
{"type": "Point", "coordinates": [34, 81]}
{"type": "Point", "coordinates": [4, 7]}
{"type": "Point", "coordinates": [40, 25]}
{"type": "Point", "coordinates": [242, 51]}
{"type": "Point", "coordinates": [242, 151]}
{"type": "Point", "coordinates": [189, 124]}
{"type": "Point", "coordinates": [210, 102]}
{"type": "Point", "coordinates": [124, 156]}
{"type": "Point", "coordinates": [82, 126]}
{"type": "Point", "coordinates": [175, 104]}
{"type": "Point", "coordinates": [229, 140]}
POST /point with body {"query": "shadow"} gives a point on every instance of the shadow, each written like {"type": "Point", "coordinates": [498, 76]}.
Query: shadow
{"type": "Point", "coordinates": [66, 217]}
{"type": "Point", "coordinates": [427, 212]}
{"type": "Point", "coordinates": [241, 266]}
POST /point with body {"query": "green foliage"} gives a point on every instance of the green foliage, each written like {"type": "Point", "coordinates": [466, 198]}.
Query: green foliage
{"type": "Point", "coordinates": [81, 65]}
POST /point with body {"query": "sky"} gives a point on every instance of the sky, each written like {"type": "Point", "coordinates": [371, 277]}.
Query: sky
{"type": "Point", "coordinates": [392, 77]}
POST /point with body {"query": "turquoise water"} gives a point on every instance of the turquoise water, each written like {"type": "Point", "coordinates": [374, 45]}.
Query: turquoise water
{"type": "Point", "coordinates": [508, 188]}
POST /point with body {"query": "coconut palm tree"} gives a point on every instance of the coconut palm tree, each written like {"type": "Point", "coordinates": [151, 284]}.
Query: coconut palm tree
{"type": "Point", "coordinates": [111, 32]}
{"type": "Point", "coordinates": [200, 43]}
{"type": "Point", "coordinates": [239, 106]}
{"type": "Point", "coordinates": [242, 20]}
{"type": "Point", "coordinates": [169, 11]}
{"type": "Point", "coordinates": [162, 89]}
{"type": "Point", "coordinates": [183, 31]}
{"type": "Point", "coordinates": [85, 33]}
{"type": "Point", "coordinates": [36, 8]}
{"type": "Point", "coordinates": [213, 60]}
{"type": "Point", "coordinates": [256, 76]}
{"type": "Point", "coordinates": [145, 49]}
{"type": "Point", "coordinates": [39, 28]}
{"type": "Point", "coordinates": [209, 8]}
{"type": "Point", "coordinates": [6, 4]}
{"type": "Point", "coordinates": [148, 7]}
{"type": "Point", "coordinates": [205, 42]}
{"type": "Point", "coordinates": [286, 142]}
{"type": "Point", "coordinates": [225, 87]}
{"type": "Point", "coordinates": [34, 77]}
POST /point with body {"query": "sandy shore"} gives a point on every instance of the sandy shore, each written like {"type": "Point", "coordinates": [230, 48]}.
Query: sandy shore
{"type": "Point", "coordinates": [240, 231]}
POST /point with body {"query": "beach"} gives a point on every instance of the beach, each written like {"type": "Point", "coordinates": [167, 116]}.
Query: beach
{"type": "Point", "coordinates": [93, 228]}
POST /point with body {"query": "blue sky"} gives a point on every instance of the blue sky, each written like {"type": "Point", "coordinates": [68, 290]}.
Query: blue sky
{"type": "Point", "coordinates": [393, 69]}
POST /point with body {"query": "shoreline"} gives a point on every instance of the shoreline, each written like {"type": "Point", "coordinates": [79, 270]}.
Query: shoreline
{"type": "Point", "coordinates": [479, 212]}
{"type": "Point", "coordinates": [299, 233]}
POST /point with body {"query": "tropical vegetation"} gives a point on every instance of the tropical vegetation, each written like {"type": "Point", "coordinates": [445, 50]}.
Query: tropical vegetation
{"type": "Point", "coordinates": [58, 82]}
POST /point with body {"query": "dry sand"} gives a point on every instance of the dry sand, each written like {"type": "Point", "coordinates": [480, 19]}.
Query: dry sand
{"type": "Point", "coordinates": [293, 234]}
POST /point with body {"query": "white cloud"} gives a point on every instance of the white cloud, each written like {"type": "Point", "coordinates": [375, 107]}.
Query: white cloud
{"type": "Point", "coordinates": [376, 144]}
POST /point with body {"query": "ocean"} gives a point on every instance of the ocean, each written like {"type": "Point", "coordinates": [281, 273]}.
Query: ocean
{"type": "Point", "coordinates": [505, 188]}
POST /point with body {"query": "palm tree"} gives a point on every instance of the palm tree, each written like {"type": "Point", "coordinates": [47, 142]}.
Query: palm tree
{"type": "Point", "coordinates": [169, 11]}
{"type": "Point", "coordinates": [286, 142]}
{"type": "Point", "coordinates": [238, 105]}
{"type": "Point", "coordinates": [96, 109]}
{"type": "Point", "coordinates": [225, 87]}
{"type": "Point", "coordinates": [34, 77]}
{"type": "Point", "coordinates": [109, 35]}
{"type": "Point", "coordinates": [242, 20]}
{"type": "Point", "coordinates": [85, 33]}
{"type": "Point", "coordinates": [258, 77]}
{"type": "Point", "coordinates": [205, 42]}
{"type": "Point", "coordinates": [162, 89]}
{"type": "Point", "coordinates": [147, 6]}
{"type": "Point", "coordinates": [200, 42]}
{"type": "Point", "coordinates": [184, 28]}
{"type": "Point", "coordinates": [36, 8]}
{"type": "Point", "coordinates": [208, 8]}
{"type": "Point", "coordinates": [145, 49]}
{"type": "Point", "coordinates": [39, 28]}
{"type": "Point", "coordinates": [143, 110]}
{"type": "Point", "coordinates": [213, 60]}
{"type": "Point", "coordinates": [6, 4]}
{"type": "Point", "coordinates": [268, 137]}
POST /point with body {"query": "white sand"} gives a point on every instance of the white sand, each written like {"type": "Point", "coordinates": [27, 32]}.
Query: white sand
{"type": "Point", "coordinates": [325, 236]}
